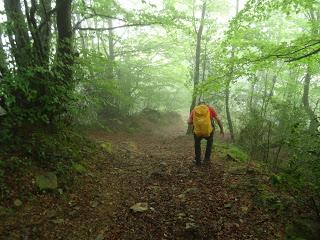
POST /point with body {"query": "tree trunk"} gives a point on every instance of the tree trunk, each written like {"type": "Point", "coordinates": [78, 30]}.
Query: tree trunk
{"type": "Point", "coordinates": [18, 34]}
{"type": "Point", "coordinates": [227, 99]}
{"type": "Point", "coordinates": [111, 50]}
{"type": "Point", "coordinates": [196, 75]}
{"type": "Point", "coordinates": [3, 59]}
{"type": "Point", "coordinates": [83, 38]}
{"type": "Point", "coordinates": [314, 123]}
{"type": "Point", "coordinates": [268, 98]}
{"type": "Point", "coordinates": [45, 30]}
{"type": "Point", "coordinates": [65, 52]}
{"type": "Point", "coordinates": [252, 87]}
{"type": "Point", "coordinates": [204, 65]}
{"type": "Point", "coordinates": [227, 90]}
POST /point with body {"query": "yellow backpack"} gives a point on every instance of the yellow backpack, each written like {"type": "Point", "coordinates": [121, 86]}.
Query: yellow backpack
{"type": "Point", "coordinates": [202, 121]}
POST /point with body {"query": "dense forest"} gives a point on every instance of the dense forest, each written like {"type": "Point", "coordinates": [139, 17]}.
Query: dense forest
{"type": "Point", "coordinates": [71, 68]}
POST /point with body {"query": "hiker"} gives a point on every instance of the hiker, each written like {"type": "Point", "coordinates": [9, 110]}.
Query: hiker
{"type": "Point", "coordinates": [201, 117]}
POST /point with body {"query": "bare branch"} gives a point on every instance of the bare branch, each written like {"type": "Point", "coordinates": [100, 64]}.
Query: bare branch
{"type": "Point", "coordinates": [116, 27]}
{"type": "Point", "coordinates": [77, 25]}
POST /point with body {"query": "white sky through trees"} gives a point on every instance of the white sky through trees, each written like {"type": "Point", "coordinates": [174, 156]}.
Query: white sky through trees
{"type": "Point", "coordinates": [138, 4]}
{"type": "Point", "coordinates": [221, 17]}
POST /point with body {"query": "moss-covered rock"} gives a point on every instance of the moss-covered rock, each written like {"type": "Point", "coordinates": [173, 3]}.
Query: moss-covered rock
{"type": "Point", "coordinates": [79, 168]}
{"type": "Point", "coordinates": [236, 154]}
{"type": "Point", "coordinates": [47, 181]}
{"type": "Point", "coordinates": [107, 146]}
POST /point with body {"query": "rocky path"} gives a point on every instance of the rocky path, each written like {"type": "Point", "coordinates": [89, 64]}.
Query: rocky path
{"type": "Point", "coordinates": [147, 188]}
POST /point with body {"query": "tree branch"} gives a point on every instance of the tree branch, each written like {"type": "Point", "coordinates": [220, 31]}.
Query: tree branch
{"type": "Point", "coordinates": [304, 56]}
{"type": "Point", "coordinates": [48, 16]}
{"type": "Point", "coordinates": [77, 25]}
{"type": "Point", "coordinates": [288, 56]}
{"type": "Point", "coordinates": [316, 106]}
{"type": "Point", "coordinates": [116, 27]}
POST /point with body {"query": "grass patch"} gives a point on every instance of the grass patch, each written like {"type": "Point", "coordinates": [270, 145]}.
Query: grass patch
{"type": "Point", "coordinates": [231, 151]}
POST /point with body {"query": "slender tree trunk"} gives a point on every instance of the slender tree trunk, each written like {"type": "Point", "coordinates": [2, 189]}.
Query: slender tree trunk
{"type": "Point", "coordinates": [3, 59]}
{"type": "Point", "coordinates": [314, 120]}
{"type": "Point", "coordinates": [98, 34]}
{"type": "Point", "coordinates": [227, 100]}
{"type": "Point", "coordinates": [111, 40]}
{"type": "Point", "coordinates": [111, 50]}
{"type": "Point", "coordinates": [18, 34]}
{"type": "Point", "coordinates": [45, 30]}
{"type": "Point", "coordinates": [204, 65]}
{"type": "Point", "coordinates": [227, 89]}
{"type": "Point", "coordinates": [196, 75]}
{"type": "Point", "coordinates": [268, 98]}
{"type": "Point", "coordinates": [83, 38]}
{"type": "Point", "coordinates": [250, 104]}
{"type": "Point", "coordinates": [314, 123]}
{"type": "Point", "coordinates": [37, 49]}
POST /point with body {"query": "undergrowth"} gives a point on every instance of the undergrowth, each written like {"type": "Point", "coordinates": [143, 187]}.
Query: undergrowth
{"type": "Point", "coordinates": [63, 152]}
{"type": "Point", "coordinates": [287, 194]}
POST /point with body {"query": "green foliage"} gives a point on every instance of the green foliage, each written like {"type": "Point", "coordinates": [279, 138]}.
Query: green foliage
{"type": "Point", "coordinates": [47, 181]}
{"type": "Point", "coordinates": [302, 229]}
{"type": "Point", "coordinates": [79, 168]}
{"type": "Point", "coordinates": [107, 146]}
{"type": "Point", "coordinates": [60, 151]}
{"type": "Point", "coordinates": [232, 151]}
{"type": "Point", "coordinates": [236, 153]}
{"type": "Point", "coordinates": [270, 201]}
{"type": "Point", "coordinates": [276, 179]}
{"type": "Point", "coordinates": [47, 148]}
{"type": "Point", "coordinates": [33, 97]}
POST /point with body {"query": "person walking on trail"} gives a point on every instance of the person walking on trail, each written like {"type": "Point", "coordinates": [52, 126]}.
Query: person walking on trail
{"type": "Point", "coordinates": [201, 117]}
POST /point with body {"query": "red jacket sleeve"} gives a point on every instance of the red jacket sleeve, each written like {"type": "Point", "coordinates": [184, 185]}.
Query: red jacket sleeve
{"type": "Point", "coordinates": [213, 113]}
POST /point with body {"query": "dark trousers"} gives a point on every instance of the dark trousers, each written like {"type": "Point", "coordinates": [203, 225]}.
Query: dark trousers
{"type": "Point", "coordinates": [197, 147]}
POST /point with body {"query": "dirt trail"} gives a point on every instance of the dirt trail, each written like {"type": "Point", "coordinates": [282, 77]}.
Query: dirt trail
{"type": "Point", "coordinates": [184, 201]}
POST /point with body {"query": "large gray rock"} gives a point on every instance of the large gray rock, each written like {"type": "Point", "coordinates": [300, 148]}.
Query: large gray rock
{"type": "Point", "coordinates": [47, 181]}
